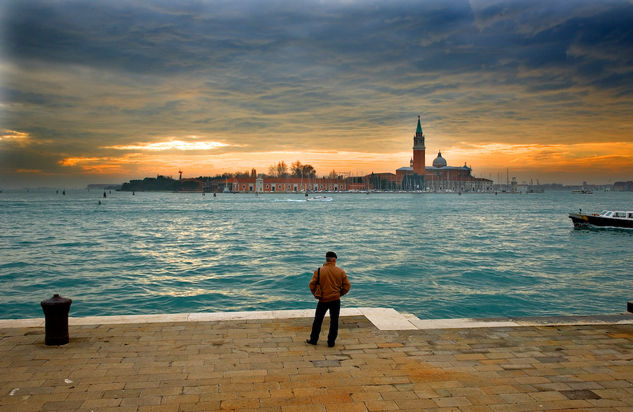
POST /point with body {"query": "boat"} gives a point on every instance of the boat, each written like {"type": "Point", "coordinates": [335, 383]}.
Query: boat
{"type": "Point", "coordinates": [582, 191]}
{"type": "Point", "coordinates": [605, 219]}
{"type": "Point", "coordinates": [319, 199]}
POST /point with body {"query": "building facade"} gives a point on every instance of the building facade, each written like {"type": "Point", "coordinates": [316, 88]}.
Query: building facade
{"type": "Point", "coordinates": [439, 177]}
{"type": "Point", "coordinates": [268, 184]}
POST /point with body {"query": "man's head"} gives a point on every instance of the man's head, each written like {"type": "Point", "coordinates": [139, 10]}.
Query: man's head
{"type": "Point", "coordinates": [330, 257]}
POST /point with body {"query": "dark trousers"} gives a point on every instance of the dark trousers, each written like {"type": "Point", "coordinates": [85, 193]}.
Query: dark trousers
{"type": "Point", "coordinates": [322, 307]}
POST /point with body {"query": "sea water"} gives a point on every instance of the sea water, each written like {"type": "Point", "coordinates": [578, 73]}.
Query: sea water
{"type": "Point", "coordinates": [433, 255]}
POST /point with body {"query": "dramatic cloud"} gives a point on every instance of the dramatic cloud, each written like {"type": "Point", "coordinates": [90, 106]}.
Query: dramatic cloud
{"type": "Point", "coordinates": [99, 80]}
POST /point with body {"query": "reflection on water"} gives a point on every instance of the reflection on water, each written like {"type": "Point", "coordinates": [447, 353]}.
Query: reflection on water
{"type": "Point", "coordinates": [432, 255]}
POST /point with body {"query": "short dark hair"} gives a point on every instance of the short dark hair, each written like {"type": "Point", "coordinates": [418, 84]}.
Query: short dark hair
{"type": "Point", "coordinates": [330, 255]}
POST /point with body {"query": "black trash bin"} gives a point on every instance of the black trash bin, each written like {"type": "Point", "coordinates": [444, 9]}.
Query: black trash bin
{"type": "Point", "coordinates": [56, 311]}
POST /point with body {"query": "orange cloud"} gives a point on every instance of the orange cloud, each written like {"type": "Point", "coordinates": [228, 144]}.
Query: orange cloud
{"type": "Point", "coordinates": [15, 137]}
{"type": "Point", "coordinates": [30, 171]}
{"type": "Point", "coordinates": [605, 161]}
{"type": "Point", "coordinates": [546, 157]}
{"type": "Point", "coordinates": [74, 161]}
{"type": "Point", "coordinates": [99, 165]}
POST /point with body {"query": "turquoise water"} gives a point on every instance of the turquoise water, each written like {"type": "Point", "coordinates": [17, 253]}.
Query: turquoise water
{"type": "Point", "coordinates": [434, 255]}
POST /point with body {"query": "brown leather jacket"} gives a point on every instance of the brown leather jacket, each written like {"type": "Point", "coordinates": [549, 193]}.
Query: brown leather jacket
{"type": "Point", "coordinates": [333, 281]}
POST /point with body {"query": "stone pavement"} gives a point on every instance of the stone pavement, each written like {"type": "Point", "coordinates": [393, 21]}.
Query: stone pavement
{"type": "Point", "coordinates": [264, 365]}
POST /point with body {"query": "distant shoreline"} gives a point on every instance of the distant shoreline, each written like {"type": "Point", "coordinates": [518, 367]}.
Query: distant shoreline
{"type": "Point", "coordinates": [310, 193]}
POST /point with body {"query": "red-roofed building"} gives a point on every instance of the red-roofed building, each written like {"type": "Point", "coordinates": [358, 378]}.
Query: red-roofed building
{"type": "Point", "coordinates": [269, 184]}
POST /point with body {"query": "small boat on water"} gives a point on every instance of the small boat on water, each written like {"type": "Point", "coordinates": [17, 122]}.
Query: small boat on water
{"type": "Point", "coordinates": [319, 199]}
{"type": "Point", "coordinates": [605, 219]}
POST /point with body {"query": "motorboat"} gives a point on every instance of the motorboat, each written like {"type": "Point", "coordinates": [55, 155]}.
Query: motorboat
{"type": "Point", "coordinates": [605, 219]}
{"type": "Point", "coordinates": [319, 199]}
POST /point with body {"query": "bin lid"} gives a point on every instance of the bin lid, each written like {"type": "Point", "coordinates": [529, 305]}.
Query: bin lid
{"type": "Point", "coordinates": [56, 300]}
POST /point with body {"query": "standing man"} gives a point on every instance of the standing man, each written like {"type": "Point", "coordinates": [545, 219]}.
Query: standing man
{"type": "Point", "coordinates": [334, 284]}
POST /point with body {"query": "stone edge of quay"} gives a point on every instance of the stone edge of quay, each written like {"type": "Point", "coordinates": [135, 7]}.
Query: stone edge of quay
{"type": "Point", "coordinates": [382, 318]}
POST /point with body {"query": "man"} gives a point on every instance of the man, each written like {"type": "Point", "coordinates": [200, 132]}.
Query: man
{"type": "Point", "coordinates": [334, 284]}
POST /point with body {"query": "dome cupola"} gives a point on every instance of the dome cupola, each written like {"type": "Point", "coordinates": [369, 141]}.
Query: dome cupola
{"type": "Point", "coordinates": [439, 161]}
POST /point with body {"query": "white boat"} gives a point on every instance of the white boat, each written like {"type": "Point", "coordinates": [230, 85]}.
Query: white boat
{"type": "Point", "coordinates": [319, 199]}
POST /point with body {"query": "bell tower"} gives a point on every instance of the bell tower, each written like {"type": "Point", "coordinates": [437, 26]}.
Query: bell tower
{"type": "Point", "coordinates": [418, 151]}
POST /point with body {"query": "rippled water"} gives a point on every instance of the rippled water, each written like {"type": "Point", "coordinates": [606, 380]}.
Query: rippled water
{"type": "Point", "coordinates": [434, 255]}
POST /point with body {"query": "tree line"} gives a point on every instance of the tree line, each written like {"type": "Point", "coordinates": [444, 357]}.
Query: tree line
{"type": "Point", "coordinates": [297, 169]}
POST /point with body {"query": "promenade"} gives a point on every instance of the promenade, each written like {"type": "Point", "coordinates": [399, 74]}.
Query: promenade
{"type": "Point", "coordinates": [383, 360]}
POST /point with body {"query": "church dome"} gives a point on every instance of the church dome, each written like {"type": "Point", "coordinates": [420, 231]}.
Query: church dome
{"type": "Point", "coordinates": [439, 161]}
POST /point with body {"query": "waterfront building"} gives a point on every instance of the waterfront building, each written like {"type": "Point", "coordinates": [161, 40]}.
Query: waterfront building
{"type": "Point", "coordinates": [623, 186]}
{"type": "Point", "coordinates": [286, 184]}
{"type": "Point", "coordinates": [439, 177]}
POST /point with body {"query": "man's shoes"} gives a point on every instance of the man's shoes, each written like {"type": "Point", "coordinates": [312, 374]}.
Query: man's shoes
{"type": "Point", "coordinates": [309, 342]}
{"type": "Point", "coordinates": [330, 344]}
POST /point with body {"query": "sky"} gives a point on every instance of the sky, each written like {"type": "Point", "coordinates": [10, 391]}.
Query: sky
{"type": "Point", "coordinates": [105, 91]}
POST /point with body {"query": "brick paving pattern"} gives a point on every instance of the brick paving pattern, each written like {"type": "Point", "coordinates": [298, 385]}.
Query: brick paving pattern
{"type": "Point", "coordinates": [265, 365]}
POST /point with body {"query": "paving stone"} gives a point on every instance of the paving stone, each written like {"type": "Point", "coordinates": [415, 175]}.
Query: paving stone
{"type": "Point", "coordinates": [347, 407]}
{"type": "Point", "coordinates": [547, 396]}
{"type": "Point", "coordinates": [398, 395]}
{"type": "Point", "coordinates": [580, 394]}
{"type": "Point", "coordinates": [585, 385]}
{"type": "Point", "coordinates": [455, 401]}
{"type": "Point", "coordinates": [366, 396]}
{"type": "Point", "coordinates": [326, 363]}
{"type": "Point", "coordinates": [100, 403]}
{"type": "Point", "coordinates": [381, 405]}
{"type": "Point", "coordinates": [551, 359]}
{"type": "Point", "coordinates": [302, 408]}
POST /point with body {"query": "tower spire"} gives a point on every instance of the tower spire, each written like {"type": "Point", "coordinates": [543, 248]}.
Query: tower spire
{"type": "Point", "coordinates": [418, 150]}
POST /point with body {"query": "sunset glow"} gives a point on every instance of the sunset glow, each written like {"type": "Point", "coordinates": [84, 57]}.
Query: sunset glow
{"type": "Point", "coordinates": [170, 145]}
